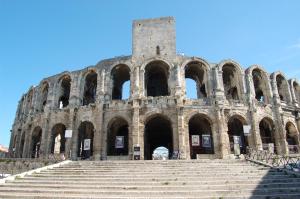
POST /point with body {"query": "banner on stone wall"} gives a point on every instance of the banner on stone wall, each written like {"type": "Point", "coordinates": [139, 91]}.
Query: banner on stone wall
{"type": "Point", "coordinates": [206, 141]}
{"type": "Point", "coordinates": [87, 144]}
{"type": "Point", "coordinates": [246, 129]}
{"type": "Point", "coordinates": [195, 140]}
{"type": "Point", "coordinates": [119, 142]}
{"type": "Point", "coordinates": [68, 133]}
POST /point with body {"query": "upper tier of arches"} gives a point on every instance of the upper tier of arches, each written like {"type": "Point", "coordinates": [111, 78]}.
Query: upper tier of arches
{"type": "Point", "coordinates": [109, 79]}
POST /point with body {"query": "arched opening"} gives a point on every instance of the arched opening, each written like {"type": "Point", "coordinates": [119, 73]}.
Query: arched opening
{"type": "Point", "coordinates": [197, 72]}
{"type": "Point", "coordinates": [85, 140]}
{"type": "Point", "coordinates": [296, 91]}
{"type": "Point", "coordinates": [117, 137]}
{"type": "Point", "coordinates": [64, 91]}
{"type": "Point", "coordinates": [29, 101]}
{"type": "Point", "coordinates": [120, 74]}
{"type": "Point", "coordinates": [58, 139]}
{"type": "Point", "coordinates": [267, 134]}
{"type": "Point", "coordinates": [260, 85]}
{"type": "Point", "coordinates": [282, 87]}
{"type": "Point", "coordinates": [36, 142]}
{"type": "Point", "coordinates": [292, 137]}
{"type": "Point", "coordinates": [90, 87]}
{"type": "Point", "coordinates": [236, 133]}
{"type": "Point", "coordinates": [200, 136]}
{"type": "Point", "coordinates": [22, 145]}
{"type": "Point", "coordinates": [231, 82]}
{"type": "Point", "coordinates": [156, 79]}
{"type": "Point", "coordinates": [44, 96]}
{"type": "Point", "coordinates": [158, 133]}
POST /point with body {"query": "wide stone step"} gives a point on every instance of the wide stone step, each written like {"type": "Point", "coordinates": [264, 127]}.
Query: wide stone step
{"type": "Point", "coordinates": [61, 196]}
{"type": "Point", "coordinates": [159, 186]}
{"type": "Point", "coordinates": [150, 183]}
{"type": "Point", "coordinates": [134, 192]}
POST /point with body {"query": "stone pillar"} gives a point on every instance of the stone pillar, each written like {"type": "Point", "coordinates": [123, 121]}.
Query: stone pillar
{"type": "Point", "coordinates": [46, 143]}
{"type": "Point", "coordinates": [98, 132]}
{"type": "Point", "coordinates": [256, 142]}
{"type": "Point", "coordinates": [182, 134]}
{"type": "Point", "coordinates": [27, 143]}
{"type": "Point", "coordinates": [136, 137]}
{"type": "Point", "coordinates": [221, 140]}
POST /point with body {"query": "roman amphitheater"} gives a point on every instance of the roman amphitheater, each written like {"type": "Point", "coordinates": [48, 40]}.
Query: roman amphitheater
{"type": "Point", "coordinates": [84, 114]}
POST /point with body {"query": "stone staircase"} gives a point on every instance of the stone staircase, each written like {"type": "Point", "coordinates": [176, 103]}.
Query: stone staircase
{"type": "Point", "coordinates": [170, 179]}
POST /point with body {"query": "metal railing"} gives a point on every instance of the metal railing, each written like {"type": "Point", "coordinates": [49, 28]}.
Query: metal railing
{"type": "Point", "coordinates": [273, 160]}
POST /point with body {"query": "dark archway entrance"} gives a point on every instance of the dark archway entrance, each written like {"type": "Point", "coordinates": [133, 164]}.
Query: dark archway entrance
{"type": "Point", "coordinates": [117, 137]}
{"type": "Point", "coordinates": [156, 79]}
{"type": "Point", "coordinates": [292, 137]}
{"type": "Point", "coordinates": [235, 128]}
{"type": "Point", "coordinates": [58, 139]}
{"type": "Point", "coordinates": [158, 133]}
{"type": "Point", "coordinates": [36, 142]}
{"type": "Point", "coordinates": [266, 129]}
{"type": "Point", "coordinates": [85, 140]}
{"type": "Point", "coordinates": [200, 136]}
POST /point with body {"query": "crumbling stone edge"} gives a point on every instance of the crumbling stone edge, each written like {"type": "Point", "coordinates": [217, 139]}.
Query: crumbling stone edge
{"type": "Point", "coordinates": [38, 170]}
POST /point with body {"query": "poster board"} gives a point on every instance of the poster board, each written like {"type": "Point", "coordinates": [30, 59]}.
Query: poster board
{"type": "Point", "coordinates": [68, 133]}
{"type": "Point", "coordinates": [195, 140]}
{"type": "Point", "coordinates": [87, 144]}
{"type": "Point", "coordinates": [247, 130]}
{"type": "Point", "coordinates": [206, 141]}
{"type": "Point", "coordinates": [119, 142]}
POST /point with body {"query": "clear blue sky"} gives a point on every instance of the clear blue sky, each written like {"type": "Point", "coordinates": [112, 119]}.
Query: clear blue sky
{"type": "Point", "coordinates": [43, 38]}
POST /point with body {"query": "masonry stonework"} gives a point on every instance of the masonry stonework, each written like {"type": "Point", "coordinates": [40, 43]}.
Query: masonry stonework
{"type": "Point", "coordinates": [90, 102]}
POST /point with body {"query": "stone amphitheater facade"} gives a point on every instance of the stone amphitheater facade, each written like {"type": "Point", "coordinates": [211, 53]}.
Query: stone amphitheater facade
{"type": "Point", "coordinates": [157, 112]}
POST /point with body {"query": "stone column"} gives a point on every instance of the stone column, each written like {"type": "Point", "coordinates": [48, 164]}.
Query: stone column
{"type": "Point", "coordinates": [222, 147]}
{"type": "Point", "coordinates": [255, 132]}
{"type": "Point", "coordinates": [136, 137]}
{"type": "Point", "coordinates": [46, 143]}
{"type": "Point", "coordinates": [98, 132]}
{"type": "Point", "coordinates": [182, 132]}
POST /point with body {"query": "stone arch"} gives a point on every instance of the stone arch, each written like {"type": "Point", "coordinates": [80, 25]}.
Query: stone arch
{"type": "Point", "coordinates": [117, 136]}
{"type": "Point", "coordinates": [85, 140]}
{"type": "Point", "coordinates": [296, 88]}
{"type": "Point", "coordinates": [120, 74]}
{"type": "Point", "coordinates": [262, 90]}
{"type": "Point", "coordinates": [90, 88]}
{"type": "Point", "coordinates": [200, 135]}
{"type": "Point", "coordinates": [292, 137]}
{"type": "Point", "coordinates": [235, 128]}
{"type": "Point", "coordinates": [58, 139]}
{"type": "Point", "coordinates": [267, 133]}
{"type": "Point", "coordinates": [36, 139]}
{"type": "Point", "coordinates": [282, 87]}
{"type": "Point", "coordinates": [44, 95]}
{"type": "Point", "coordinates": [232, 76]}
{"type": "Point", "coordinates": [156, 78]}
{"type": "Point", "coordinates": [158, 132]}
{"type": "Point", "coordinates": [29, 102]}
{"type": "Point", "coordinates": [198, 71]}
{"type": "Point", "coordinates": [64, 89]}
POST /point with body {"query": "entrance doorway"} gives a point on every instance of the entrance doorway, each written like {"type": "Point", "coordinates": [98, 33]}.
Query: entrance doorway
{"type": "Point", "coordinates": [200, 136]}
{"type": "Point", "coordinates": [158, 133]}
{"type": "Point", "coordinates": [236, 130]}
{"type": "Point", "coordinates": [85, 140]}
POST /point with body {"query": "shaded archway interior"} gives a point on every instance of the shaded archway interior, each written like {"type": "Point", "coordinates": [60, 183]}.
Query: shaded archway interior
{"type": "Point", "coordinates": [267, 134]}
{"type": "Point", "coordinates": [231, 82]}
{"type": "Point", "coordinates": [90, 88]}
{"type": "Point", "coordinates": [45, 89]}
{"type": "Point", "coordinates": [85, 134]}
{"type": "Point", "coordinates": [282, 87]}
{"type": "Point", "coordinates": [200, 126]}
{"type": "Point", "coordinates": [197, 72]}
{"type": "Point", "coordinates": [156, 79]}
{"type": "Point", "coordinates": [64, 91]}
{"type": "Point", "coordinates": [36, 142]}
{"type": "Point", "coordinates": [119, 74]}
{"type": "Point", "coordinates": [235, 128]}
{"type": "Point", "coordinates": [260, 85]}
{"type": "Point", "coordinates": [117, 136]}
{"type": "Point", "coordinates": [58, 139]}
{"type": "Point", "coordinates": [158, 132]}
{"type": "Point", "coordinates": [297, 91]}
